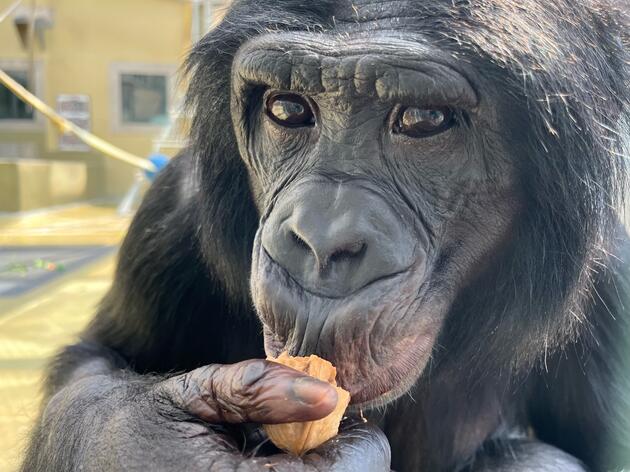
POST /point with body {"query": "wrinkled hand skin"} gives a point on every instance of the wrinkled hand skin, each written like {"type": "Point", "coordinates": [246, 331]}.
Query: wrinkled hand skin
{"type": "Point", "coordinates": [181, 423]}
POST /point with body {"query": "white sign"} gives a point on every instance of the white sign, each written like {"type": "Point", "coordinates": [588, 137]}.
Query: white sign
{"type": "Point", "coordinates": [76, 109]}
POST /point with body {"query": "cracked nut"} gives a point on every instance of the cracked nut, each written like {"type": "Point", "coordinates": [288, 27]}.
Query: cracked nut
{"type": "Point", "coordinates": [298, 438]}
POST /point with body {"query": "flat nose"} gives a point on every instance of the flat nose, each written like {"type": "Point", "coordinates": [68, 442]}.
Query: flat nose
{"type": "Point", "coordinates": [334, 239]}
{"type": "Point", "coordinates": [327, 243]}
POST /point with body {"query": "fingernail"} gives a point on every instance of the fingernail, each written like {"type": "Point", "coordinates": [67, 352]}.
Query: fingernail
{"type": "Point", "coordinates": [312, 391]}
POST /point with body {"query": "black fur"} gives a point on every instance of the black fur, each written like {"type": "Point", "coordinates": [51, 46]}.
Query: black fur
{"type": "Point", "coordinates": [535, 348]}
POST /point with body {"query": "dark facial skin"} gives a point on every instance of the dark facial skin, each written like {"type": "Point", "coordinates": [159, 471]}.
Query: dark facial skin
{"type": "Point", "coordinates": [380, 173]}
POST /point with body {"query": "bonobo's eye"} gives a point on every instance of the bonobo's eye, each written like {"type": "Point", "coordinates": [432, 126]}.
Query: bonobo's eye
{"type": "Point", "coordinates": [289, 109]}
{"type": "Point", "coordinates": [423, 122]}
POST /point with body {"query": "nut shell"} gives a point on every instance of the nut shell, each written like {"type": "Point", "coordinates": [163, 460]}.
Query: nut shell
{"type": "Point", "coordinates": [299, 438]}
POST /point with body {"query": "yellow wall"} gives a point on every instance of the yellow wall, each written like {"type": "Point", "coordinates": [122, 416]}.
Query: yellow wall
{"type": "Point", "coordinates": [86, 39]}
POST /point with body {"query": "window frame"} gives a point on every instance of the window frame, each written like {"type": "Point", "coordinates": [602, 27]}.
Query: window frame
{"type": "Point", "coordinates": [24, 65]}
{"type": "Point", "coordinates": [117, 70]}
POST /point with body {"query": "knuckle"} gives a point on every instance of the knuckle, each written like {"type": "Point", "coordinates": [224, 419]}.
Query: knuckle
{"type": "Point", "coordinates": [250, 381]}
{"type": "Point", "coordinates": [196, 385]}
{"type": "Point", "coordinates": [232, 382]}
{"type": "Point", "coordinates": [252, 372]}
{"type": "Point", "coordinates": [188, 387]}
{"type": "Point", "coordinates": [215, 393]}
{"type": "Point", "coordinates": [236, 390]}
{"type": "Point", "coordinates": [181, 392]}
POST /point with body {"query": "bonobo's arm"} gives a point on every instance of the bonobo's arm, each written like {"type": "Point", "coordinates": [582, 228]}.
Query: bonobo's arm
{"type": "Point", "coordinates": [112, 402]}
{"type": "Point", "coordinates": [524, 456]}
{"type": "Point", "coordinates": [105, 418]}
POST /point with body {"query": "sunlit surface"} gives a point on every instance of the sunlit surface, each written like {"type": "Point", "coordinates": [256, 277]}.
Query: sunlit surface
{"type": "Point", "coordinates": [82, 224]}
{"type": "Point", "coordinates": [36, 323]}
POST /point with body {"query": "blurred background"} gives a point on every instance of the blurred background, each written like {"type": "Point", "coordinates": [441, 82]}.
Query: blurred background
{"type": "Point", "coordinates": [110, 67]}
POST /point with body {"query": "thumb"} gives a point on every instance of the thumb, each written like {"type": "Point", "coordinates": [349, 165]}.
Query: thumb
{"type": "Point", "coordinates": [255, 391]}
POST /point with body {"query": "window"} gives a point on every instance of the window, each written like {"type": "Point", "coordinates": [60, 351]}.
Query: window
{"type": "Point", "coordinates": [11, 107]}
{"type": "Point", "coordinates": [144, 99]}
{"type": "Point", "coordinates": [15, 115]}
{"type": "Point", "coordinates": [142, 96]}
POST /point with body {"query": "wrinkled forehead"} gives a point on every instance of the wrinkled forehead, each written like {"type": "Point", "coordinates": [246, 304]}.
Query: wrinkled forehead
{"type": "Point", "coordinates": [389, 65]}
{"type": "Point", "coordinates": [397, 14]}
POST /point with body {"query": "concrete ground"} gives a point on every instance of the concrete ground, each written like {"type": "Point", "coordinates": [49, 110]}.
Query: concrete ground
{"type": "Point", "coordinates": [35, 323]}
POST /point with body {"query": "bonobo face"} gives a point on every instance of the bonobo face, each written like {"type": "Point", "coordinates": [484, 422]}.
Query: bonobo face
{"type": "Point", "coordinates": [379, 170]}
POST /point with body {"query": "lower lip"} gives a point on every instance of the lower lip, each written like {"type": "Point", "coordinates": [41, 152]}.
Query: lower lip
{"type": "Point", "coordinates": [378, 401]}
{"type": "Point", "coordinates": [363, 399]}
{"type": "Point", "coordinates": [417, 355]}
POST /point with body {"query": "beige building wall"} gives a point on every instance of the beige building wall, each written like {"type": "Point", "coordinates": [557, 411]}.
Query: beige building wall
{"type": "Point", "coordinates": [89, 43]}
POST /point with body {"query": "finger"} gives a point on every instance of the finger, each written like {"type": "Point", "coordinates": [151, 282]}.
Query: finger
{"type": "Point", "coordinates": [251, 391]}
{"type": "Point", "coordinates": [359, 446]}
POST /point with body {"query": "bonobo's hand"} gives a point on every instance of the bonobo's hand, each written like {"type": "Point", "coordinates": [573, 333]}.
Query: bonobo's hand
{"type": "Point", "coordinates": [188, 422]}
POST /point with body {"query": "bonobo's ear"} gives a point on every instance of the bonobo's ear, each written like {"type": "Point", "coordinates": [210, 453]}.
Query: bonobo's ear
{"type": "Point", "coordinates": [229, 218]}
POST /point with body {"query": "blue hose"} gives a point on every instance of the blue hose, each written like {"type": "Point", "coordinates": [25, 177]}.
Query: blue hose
{"type": "Point", "coordinates": [159, 161]}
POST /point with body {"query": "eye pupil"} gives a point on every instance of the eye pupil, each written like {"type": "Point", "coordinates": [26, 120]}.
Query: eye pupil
{"type": "Point", "coordinates": [424, 122]}
{"type": "Point", "coordinates": [290, 110]}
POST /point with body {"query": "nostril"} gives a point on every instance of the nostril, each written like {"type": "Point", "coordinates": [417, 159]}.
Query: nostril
{"type": "Point", "coordinates": [348, 252]}
{"type": "Point", "coordinates": [299, 242]}
{"type": "Point", "coordinates": [327, 251]}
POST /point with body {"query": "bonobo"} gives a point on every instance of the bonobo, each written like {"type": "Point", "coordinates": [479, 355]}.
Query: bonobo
{"type": "Point", "coordinates": [422, 192]}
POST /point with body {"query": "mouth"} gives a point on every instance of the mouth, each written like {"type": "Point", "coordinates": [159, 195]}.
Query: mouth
{"type": "Point", "coordinates": [371, 382]}
{"type": "Point", "coordinates": [379, 338]}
